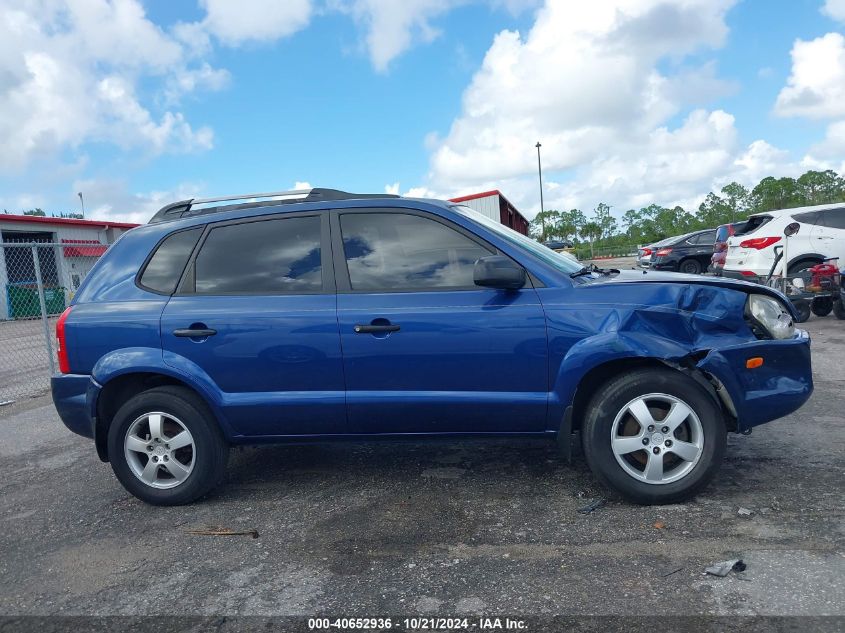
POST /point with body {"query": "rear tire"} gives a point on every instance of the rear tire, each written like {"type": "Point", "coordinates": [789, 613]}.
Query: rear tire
{"type": "Point", "coordinates": [822, 306]}
{"type": "Point", "coordinates": [619, 446]}
{"type": "Point", "coordinates": [166, 448]}
{"type": "Point", "coordinates": [690, 267]}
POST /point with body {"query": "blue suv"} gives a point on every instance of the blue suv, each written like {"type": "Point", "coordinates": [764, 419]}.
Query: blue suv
{"type": "Point", "coordinates": [319, 315]}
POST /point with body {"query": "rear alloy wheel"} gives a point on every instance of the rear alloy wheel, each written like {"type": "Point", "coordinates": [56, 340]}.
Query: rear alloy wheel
{"type": "Point", "coordinates": [654, 435]}
{"type": "Point", "coordinates": [165, 446]}
{"type": "Point", "coordinates": [690, 267]}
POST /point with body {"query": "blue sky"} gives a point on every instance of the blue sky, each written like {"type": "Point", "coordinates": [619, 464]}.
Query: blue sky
{"type": "Point", "coordinates": [138, 103]}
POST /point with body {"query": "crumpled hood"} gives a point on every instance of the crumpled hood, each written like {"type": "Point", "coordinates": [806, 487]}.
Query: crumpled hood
{"type": "Point", "coordinates": [651, 277]}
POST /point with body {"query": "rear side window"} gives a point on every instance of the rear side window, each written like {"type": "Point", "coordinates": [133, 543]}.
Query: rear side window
{"type": "Point", "coordinates": [280, 256]}
{"type": "Point", "coordinates": [167, 263]}
{"type": "Point", "coordinates": [810, 217]}
{"type": "Point", "coordinates": [834, 218]}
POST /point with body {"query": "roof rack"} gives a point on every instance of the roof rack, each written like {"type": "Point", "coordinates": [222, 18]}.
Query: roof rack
{"type": "Point", "coordinates": [189, 208]}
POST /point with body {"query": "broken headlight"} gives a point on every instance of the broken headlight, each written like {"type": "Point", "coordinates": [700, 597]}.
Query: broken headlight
{"type": "Point", "coordinates": [769, 317]}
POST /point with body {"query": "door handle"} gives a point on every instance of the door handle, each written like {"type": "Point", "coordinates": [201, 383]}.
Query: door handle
{"type": "Point", "coordinates": [194, 333]}
{"type": "Point", "coordinates": [374, 329]}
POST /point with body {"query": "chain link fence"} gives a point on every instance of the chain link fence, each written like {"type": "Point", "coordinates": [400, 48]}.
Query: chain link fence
{"type": "Point", "coordinates": [37, 282]}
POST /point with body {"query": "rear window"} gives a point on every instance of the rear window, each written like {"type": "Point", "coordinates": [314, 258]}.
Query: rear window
{"type": "Point", "coordinates": [167, 263]}
{"type": "Point", "coordinates": [722, 233]}
{"type": "Point", "coordinates": [809, 217]}
{"type": "Point", "coordinates": [754, 223]}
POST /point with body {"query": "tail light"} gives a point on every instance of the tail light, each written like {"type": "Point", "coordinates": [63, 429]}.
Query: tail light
{"type": "Point", "coordinates": [747, 273]}
{"type": "Point", "coordinates": [759, 243]}
{"type": "Point", "coordinates": [662, 252]}
{"type": "Point", "coordinates": [646, 251]}
{"type": "Point", "coordinates": [61, 346]}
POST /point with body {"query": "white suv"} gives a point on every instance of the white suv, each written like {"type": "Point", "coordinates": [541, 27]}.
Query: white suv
{"type": "Point", "coordinates": [820, 236]}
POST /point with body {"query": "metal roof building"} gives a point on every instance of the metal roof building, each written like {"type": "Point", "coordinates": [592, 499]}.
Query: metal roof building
{"type": "Point", "coordinates": [495, 206]}
{"type": "Point", "coordinates": [66, 251]}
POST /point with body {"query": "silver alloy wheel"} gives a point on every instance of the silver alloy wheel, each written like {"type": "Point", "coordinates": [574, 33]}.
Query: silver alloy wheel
{"type": "Point", "coordinates": [666, 444]}
{"type": "Point", "coordinates": [159, 450]}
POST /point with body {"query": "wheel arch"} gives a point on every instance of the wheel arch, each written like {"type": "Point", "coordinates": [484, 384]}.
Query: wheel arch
{"type": "Point", "coordinates": [575, 401]}
{"type": "Point", "coordinates": [805, 257]}
{"type": "Point", "coordinates": [121, 387]}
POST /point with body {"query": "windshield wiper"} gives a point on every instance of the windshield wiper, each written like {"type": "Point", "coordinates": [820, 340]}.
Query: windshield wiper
{"type": "Point", "coordinates": [592, 268]}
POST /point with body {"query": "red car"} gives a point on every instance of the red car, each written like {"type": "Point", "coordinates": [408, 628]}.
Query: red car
{"type": "Point", "coordinates": [720, 247]}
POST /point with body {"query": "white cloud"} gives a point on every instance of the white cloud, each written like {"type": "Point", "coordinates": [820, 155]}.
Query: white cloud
{"type": "Point", "coordinates": [234, 23]}
{"type": "Point", "coordinates": [834, 9]}
{"type": "Point", "coordinates": [816, 87]}
{"type": "Point", "coordinates": [830, 152]}
{"type": "Point", "coordinates": [394, 26]}
{"type": "Point", "coordinates": [111, 199]}
{"type": "Point", "coordinates": [585, 81]}
{"type": "Point", "coordinates": [69, 73]}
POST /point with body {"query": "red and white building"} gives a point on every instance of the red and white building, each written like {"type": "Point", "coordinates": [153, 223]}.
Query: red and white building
{"type": "Point", "coordinates": [495, 206]}
{"type": "Point", "coordinates": [79, 244]}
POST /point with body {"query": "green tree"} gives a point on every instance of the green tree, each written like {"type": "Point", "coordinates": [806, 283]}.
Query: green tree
{"type": "Point", "coordinates": [591, 231]}
{"type": "Point", "coordinates": [35, 211]}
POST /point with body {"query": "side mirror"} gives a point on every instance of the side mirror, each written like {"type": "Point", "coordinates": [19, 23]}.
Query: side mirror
{"type": "Point", "coordinates": [791, 229]}
{"type": "Point", "coordinates": [499, 272]}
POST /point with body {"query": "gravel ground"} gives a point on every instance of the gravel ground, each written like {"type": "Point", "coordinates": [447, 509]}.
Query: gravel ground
{"type": "Point", "coordinates": [430, 529]}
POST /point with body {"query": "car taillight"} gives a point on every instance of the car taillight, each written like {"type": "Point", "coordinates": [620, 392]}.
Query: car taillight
{"type": "Point", "coordinates": [747, 273]}
{"type": "Point", "coordinates": [646, 251]}
{"type": "Point", "coordinates": [61, 346]}
{"type": "Point", "coordinates": [663, 251]}
{"type": "Point", "coordinates": [759, 243]}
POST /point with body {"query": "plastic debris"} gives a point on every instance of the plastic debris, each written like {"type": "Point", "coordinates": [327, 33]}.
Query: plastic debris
{"type": "Point", "coordinates": [659, 525]}
{"type": "Point", "coordinates": [5, 402]}
{"type": "Point", "coordinates": [220, 531]}
{"type": "Point", "coordinates": [594, 505]}
{"type": "Point", "coordinates": [744, 512]}
{"type": "Point", "coordinates": [725, 567]}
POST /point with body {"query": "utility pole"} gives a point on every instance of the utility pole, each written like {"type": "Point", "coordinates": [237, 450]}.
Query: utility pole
{"type": "Point", "coordinates": [540, 173]}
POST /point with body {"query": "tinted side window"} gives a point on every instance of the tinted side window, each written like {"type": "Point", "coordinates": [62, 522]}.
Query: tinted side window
{"type": "Point", "coordinates": [834, 218]}
{"type": "Point", "coordinates": [398, 251]}
{"type": "Point", "coordinates": [707, 238]}
{"type": "Point", "coordinates": [263, 257]}
{"type": "Point", "coordinates": [809, 217]}
{"type": "Point", "coordinates": [167, 263]}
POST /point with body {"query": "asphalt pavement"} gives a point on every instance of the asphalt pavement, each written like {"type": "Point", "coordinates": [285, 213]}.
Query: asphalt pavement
{"type": "Point", "coordinates": [445, 528]}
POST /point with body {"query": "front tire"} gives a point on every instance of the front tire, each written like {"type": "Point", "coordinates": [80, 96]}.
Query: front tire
{"type": "Point", "coordinates": [654, 435]}
{"type": "Point", "coordinates": [165, 447]}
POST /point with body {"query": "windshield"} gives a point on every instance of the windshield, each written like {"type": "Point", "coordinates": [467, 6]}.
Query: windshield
{"type": "Point", "coordinates": [560, 262]}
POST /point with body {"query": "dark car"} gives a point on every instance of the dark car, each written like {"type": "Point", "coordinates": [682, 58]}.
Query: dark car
{"type": "Point", "coordinates": [688, 253]}
{"type": "Point", "coordinates": [323, 315]}
{"type": "Point", "coordinates": [720, 247]}
{"type": "Point", "coordinates": [558, 245]}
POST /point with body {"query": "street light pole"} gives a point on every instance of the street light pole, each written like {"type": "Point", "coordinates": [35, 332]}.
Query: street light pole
{"type": "Point", "coordinates": [540, 173]}
{"type": "Point", "coordinates": [82, 202]}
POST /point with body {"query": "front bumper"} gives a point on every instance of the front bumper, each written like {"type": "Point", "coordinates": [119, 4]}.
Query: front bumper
{"type": "Point", "coordinates": [780, 386]}
{"type": "Point", "coordinates": [72, 397]}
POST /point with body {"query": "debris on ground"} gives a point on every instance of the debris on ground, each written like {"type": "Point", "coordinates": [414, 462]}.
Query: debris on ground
{"type": "Point", "coordinates": [5, 402]}
{"type": "Point", "coordinates": [725, 567]}
{"type": "Point", "coordinates": [220, 531]}
{"type": "Point", "coordinates": [659, 525]}
{"type": "Point", "coordinates": [594, 505]}
{"type": "Point", "coordinates": [672, 570]}
{"type": "Point", "coordinates": [744, 512]}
